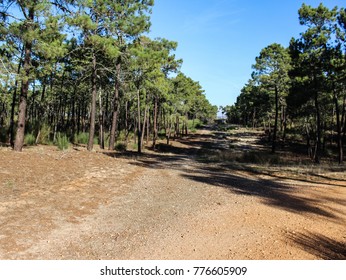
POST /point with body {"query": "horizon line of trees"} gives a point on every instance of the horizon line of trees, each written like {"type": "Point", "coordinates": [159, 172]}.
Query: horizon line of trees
{"type": "Point", "coordinates": [79, 66]}
{"type": "Point", "coordinates": [299, 93]}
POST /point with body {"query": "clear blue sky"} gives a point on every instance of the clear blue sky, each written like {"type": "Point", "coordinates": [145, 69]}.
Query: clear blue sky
{"type": "Point", "coordinates": [219, 39]}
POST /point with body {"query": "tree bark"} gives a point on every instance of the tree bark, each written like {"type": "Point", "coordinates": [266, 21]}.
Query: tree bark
{"type": "Point", "coordinates": [93, 105]}
{"type": "Point", "coordinates": [14, 99]}
{"type": "Point", "coordinates": [318, 130]}
{"type": "Point", "coordinates": [338, 128]}
{"type": "Point", "coordinates": [144, 124]}
{"type": "Point", "coordinates": [276, 119]}
{"type": "Point", "coordinates": [115, 109]}
{"type": "Point", "coordinates": [19, 141]}
{"type": "Point", "coordinates": [139, 132]}
{"type": "Point", "coordinates": [155, 123]}
{"type": "Point", "coordinates": [101, 121]}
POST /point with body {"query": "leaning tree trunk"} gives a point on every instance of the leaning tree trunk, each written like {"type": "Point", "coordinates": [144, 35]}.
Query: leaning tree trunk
{"type": "Point", "coordinates": [93, 105]}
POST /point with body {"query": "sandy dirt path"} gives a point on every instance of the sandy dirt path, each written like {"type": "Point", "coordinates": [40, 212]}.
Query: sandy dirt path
{"type": "Point", "coordinates": [80, 205]}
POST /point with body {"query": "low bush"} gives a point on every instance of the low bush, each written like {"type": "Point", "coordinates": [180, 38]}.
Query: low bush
{"type": "Point", "coordinates": [82, 138]}
{"type": "Point", "coordinates": [120, 146]}
{"type": "Point", "coordinates": [44, 136]}
{"type": "Point", "coordinates": [29, 139]}
{"type": "Point", "coordinates": [62, 141]}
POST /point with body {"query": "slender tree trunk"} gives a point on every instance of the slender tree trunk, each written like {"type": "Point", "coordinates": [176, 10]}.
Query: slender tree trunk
{"type": "Point", "coordinates": [254, 118]}
{"type": "Point", "coordinates": [186, 124]}
{"type": "Point", "coordinates": [19, 141]}
{"type": "Point", "coordinates": [318, 130]}
{"type": "Point", "coordinates": [276, 119]}
{"type": "Point", "coordinates": [116, 108]}
{"type": "Point", "coordinates": [93, 105]}
{"type": "Point", "coordinates": [73, 113]}
{"type": "Point", "coordinates": [139, 132]}
{"type": "Point", "coordinates": [338, 128]}
{"type": "Point", "coordinates": [148, 127]}
{"type": "Point", "coordinates": [126, 123]}
{"type": "Point", "coordinates": [308, 145]}
{"type": "Point", "coordinates": [144, 124]}
{"type": "Point", "coordinates": [14, 101]}
{"type": "Point", "coordinates": [155, 123]}
{"type": "Point", "coordinates": [101, 121]}
{"type": "Point", "coordinates": [284, 124]}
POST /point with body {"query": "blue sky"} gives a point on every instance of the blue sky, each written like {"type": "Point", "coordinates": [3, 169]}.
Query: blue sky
{"type": "Point", "coordinates": [219, 39]}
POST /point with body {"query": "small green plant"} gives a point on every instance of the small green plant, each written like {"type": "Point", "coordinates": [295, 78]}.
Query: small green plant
{"type": "Point", "coordinates": [62, 141]}
{"type": "Point", "coordinates": [135, 146]}
{"type": "Point", "coordinates": [122, 135]}
{"type": "Point", "coordinates": [9, 184]}
{"type": "Point", "coordinates": [29, 139]}
{"type": "Point", "coordinates": [44, 136]}
{"type": "Point", "coordinates": [194, 124]}
{"type": "Point", "coordinates": [82, 138]}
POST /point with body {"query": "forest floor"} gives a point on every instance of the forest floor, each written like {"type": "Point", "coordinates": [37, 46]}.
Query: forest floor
{"type": "Point", "coordinates": [212, 195]}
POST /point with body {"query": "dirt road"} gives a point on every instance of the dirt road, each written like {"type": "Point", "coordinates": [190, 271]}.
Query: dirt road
{"type": "Point", "coordinates": [171, 204]}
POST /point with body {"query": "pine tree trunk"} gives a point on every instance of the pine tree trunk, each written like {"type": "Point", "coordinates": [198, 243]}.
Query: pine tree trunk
{"type": "Point", "coordinates": [14, 100]}
{"type": "Point", "coordinates": [93, 105]}
{"type": "Point", "coordinates": [276, 119]}
{"type": "Point", "coordinates": [116, 108]}
{"type": "Point", "coordinates": [101, 121]}
{"type": "Point", "coordinates": [338, 128]}
{"type": "Point", "coordinates": [139, 132]}
{"type": "Point", "coordinates": [155, 124]}
{"type": "Point", "coordinates": [19, 141]}
{"type": "Point", "coordinates": [126, 123]}
{"type": "Point", "coordinates": [144, 124]}
{"type": "Point", "coordinates": [318, 130]}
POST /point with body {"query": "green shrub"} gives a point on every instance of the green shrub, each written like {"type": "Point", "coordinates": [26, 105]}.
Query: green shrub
{"type": "Point", "coordinates": [135, 146]}
{"type": "Point", "coordinates": [194, 124]}
{"type": "Point", "coordinates": [121, 135]}
{"type": "Point", "coordinates": [82, 138]}
{"type": "Point", "coordinates": [62, 141]}
{"type": "Point", "coordinates": [120, 146]}
{"type": "Point", "coordinates": [29, 139]}
{"type": "Point", "coordinates": [44, 137]}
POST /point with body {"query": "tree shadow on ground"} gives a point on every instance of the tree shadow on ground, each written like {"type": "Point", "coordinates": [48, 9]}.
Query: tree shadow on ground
{"type": "Point", "coordinates": [151, 160]}
{"type": "Point", "coordinates": [268, 172]}
{"type": "Point", "coordinates": [320, 246]}
{"type": "Point", "coordinates": [272, 193]}
{"type": "Point", "coordinates": [183, 158]}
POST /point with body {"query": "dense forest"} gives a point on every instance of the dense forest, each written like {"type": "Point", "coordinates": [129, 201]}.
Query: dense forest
{"type": "Point", "coordinates": [298, 93]}
{"type": "Point", "coordinates": [81, 71]}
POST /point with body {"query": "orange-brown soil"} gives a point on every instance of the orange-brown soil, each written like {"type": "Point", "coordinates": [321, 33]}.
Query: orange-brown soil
{"type": "Point", "coordinates": [168, 204]}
